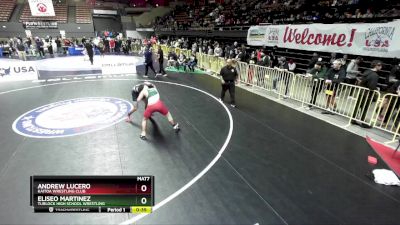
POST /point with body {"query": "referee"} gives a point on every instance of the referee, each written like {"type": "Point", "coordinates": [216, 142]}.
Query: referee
{"type": "Point", "coordinates": [229, 76]}
{"type": "Point", "coordinates": [160, 55]}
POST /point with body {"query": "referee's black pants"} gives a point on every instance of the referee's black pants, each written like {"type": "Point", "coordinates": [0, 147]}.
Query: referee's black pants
{"type": "Point", "coordinates": [229, 85]}
{"type": "Point", "coordinates": [149, 65]}
{"type": "Point", "coordinates": [162, 71]}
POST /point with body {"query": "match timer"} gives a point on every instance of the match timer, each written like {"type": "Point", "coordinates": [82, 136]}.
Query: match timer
{"type": "Point", "coordinates": [84, 194]}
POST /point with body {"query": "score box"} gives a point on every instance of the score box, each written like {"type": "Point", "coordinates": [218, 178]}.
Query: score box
{"type": "Point", "coordinates": [109, 194]}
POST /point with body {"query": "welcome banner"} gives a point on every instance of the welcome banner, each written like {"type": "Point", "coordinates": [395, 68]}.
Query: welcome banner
{"type": "Point", "coordinates": [372, 39]}
{"type": "Point", "coordinates": [41, 7]}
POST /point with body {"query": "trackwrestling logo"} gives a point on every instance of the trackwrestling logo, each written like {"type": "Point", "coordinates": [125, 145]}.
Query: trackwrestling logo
{"type": "Point", "coordinates": [72, 117]}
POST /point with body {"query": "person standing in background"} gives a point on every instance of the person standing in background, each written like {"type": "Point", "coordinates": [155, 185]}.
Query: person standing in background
{"type": "Point", "coordinates": [333, 57]}
{"type": "Point", "coordinates": [101, 47]}
{"type": "Point", "coordinates": [313, 60]}
{"type": "Point", "coordinates": [89, 50]}
{"type": "Point", "coordinates": [352, 74]}
{"type": "Point", "coordinates": [160, 56]}
{"type": "Point", "coordinates": [39, 46]}
{"type": "Point", "coordinates": [129, 43]}
{"type": "Point", "coordinates": [334, 77]}
{"type": "Point", "coordinates": [395, 70]}
{"type": "Point", "coordinates": [112, 45]}
{"type": "Point", "coordinates": [83, 40]}
{"type": "Point", "coordinates": [58, 43]}
{"type": "Point", "coordinates": [291, 65]}
{"type": "Point", "coordinates": [317, 74]}
{"type": "Point", "coordinates": [353, 71]}
{"type": "Point", "coordinates": [369, 80]}
{"type": "Point", "coordinates": [21, 50]}
{"type": "Point", "coordinates": [229, 77]}
{"type": "Point", "coordinates": [50, 46]}
{"type": "Point", "coordinates": [106, 43]}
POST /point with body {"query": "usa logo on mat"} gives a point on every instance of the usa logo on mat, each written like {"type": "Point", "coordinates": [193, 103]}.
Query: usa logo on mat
{"type": "Point", "coordinates": [72, 117]}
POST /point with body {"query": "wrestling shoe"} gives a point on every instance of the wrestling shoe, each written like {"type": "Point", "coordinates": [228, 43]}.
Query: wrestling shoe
{"type": "Point", "coordinates": [145, 76]}
{"type": "Point", "coordinates": [143, 137]}
{"type": "Point", "coordinates": [177, 128]}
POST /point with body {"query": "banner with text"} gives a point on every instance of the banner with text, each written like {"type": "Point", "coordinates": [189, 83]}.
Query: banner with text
{"type": "Point", "coordinates": [41, 7]}
{"type": "Point", "coordinates": [12, 70]}
{"type": "Point", "coordinates": [372, 39]}
{"type": "Point", "coordinates": [40, 25]}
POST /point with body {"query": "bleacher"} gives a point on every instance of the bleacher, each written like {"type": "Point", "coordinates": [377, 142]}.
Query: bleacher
{"type": "Point", "coordinates": [83, 13]}
{"type": "Point", "coordinates": [61, 11]}
{"type": "Point", "coordinates": [6, 9]}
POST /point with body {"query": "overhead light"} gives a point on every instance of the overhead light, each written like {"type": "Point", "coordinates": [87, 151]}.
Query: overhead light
{"type": "Point", "coordinates": [156, 5]}
{"type": "Point", "coordinates": [4, 26]}
{"type": "Point", "coordinates": [79, 28]}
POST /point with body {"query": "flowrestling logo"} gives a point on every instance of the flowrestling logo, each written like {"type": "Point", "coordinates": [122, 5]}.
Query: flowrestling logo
{"type": "Point", "coordinates": [72, 117]}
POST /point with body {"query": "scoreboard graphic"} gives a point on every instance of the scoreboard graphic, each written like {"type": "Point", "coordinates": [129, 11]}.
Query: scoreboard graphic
{"type": "Point", "coordinates": [92, 194]}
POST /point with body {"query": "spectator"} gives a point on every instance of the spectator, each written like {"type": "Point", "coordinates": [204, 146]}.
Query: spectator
{"type": "Point", "coordinates": [59, 47]}
{"type": "Point", "coordinates": [106, 42]}
{"type": "Point", "coordinates": [21, 50]}
{"type": "Point", "coordinates": [265, 60]}
{"type": "Point", "coordinates": [232, 53]}
{"type": "Point", "coordinates": [333, 57]}
{"type": "Point", "coordinates": [49, 44]}
{"type": "Point", "coordinates": [282, 64]}
{"type": "Point", "coordinates": [291, 65]}
{"type": "Point", "coordinates": [352, 71]}
{"type": "Point", "coordinates": [274, 59]}
{"type": "Point", "coordinates": [368, 14]}
{"type": "Point", "coordinates": [391, 104]}
{"type": "Point", "coordinates": [172, 59]}
{"type": "Point", "coordinates": [334, 77]}
{"type": "Point", "coordinates": [240, 56]}
{"type": "Point", "coordinates": [194, 47]}
{"type": "Point", "coordinates": [112, 45]}
{"type": "Point", "coordinates": [182, 61]}
{"type": "Point", "coordinates": [192, 62]}
{"type": "Point", "coordinates": [313, 60]}
{"type": "Point", "coordinates": [101, 48]}
{"type": "Point", "coordinates": [39, 46]}
{"type": "Point", "coordinates": [226, 51]}
{"type": "Point", "coordinates": [210, 50]}
{"type": "Point", "coordinates": [395, 71]}
{"type": "Point", "coordinates": [317, 74]}
{"type": "Point", "coordinates": [369, 80]}
{"type": "Point", "coordinates": [218, 51]}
